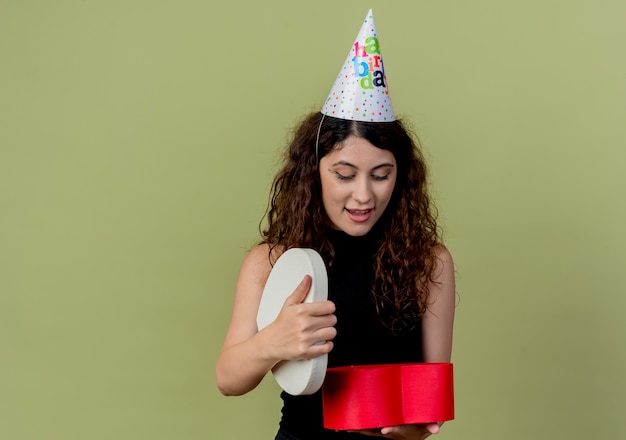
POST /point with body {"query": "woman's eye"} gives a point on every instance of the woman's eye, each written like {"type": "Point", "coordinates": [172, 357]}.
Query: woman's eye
{"type": "Point", "coordinates": [342, 177]}
{"type": "Point", "coordinates": [379, 178]}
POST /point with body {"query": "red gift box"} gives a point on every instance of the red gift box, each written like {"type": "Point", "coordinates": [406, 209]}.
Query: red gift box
{"type": "Point", "coordinates": [376, 396]}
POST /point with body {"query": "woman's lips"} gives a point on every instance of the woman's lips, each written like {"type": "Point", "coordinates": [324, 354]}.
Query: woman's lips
{"type": "Point", "coordinates": [359, 215]}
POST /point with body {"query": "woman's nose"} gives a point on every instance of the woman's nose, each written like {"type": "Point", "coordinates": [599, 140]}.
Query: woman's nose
{"type": "Point", "coordinates": [362, 193]}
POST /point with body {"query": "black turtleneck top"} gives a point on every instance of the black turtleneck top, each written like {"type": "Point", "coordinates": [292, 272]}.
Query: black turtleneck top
{"type": "Point", "coordinates": [362, 339]}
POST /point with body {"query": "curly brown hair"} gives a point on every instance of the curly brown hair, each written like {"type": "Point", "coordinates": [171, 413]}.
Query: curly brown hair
{"type": "Point", "coordinates": [405, 261]}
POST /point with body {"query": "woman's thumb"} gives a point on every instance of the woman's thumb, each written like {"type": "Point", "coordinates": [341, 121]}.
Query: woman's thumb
{"type": "Point", "coordinates": [299, 295]}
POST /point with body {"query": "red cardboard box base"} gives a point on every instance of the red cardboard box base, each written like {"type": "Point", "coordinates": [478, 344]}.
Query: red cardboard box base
{"type": "Point", "coordinates": [376, 396]}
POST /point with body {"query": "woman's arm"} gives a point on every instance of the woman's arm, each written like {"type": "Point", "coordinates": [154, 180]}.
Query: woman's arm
{"type": "Point", "coordinates": [437, 325]}
{"type": "Point", "coordinates": [241, 365]}
{"type": "Point", "coordinates": [248, 354]}
{"type": "Point", "coordinates": [437, 322]}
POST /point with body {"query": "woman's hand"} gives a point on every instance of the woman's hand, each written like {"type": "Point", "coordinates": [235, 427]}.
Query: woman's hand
{"type": "Point", "coordinates": [404, 432]}
{"type": "Point", "coordinates": [248, 354]}
{"type": "Point", "coordinates": [301, 330]}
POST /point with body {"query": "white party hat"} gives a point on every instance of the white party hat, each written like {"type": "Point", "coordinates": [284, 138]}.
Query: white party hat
{"type": "Point", "coordinates": [361, 92]}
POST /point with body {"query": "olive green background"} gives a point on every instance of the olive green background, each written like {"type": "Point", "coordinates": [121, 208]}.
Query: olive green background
{"type": "Point", "coordinates": [137, 144]}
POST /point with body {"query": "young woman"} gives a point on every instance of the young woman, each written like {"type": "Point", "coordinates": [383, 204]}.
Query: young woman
{"type": "Point", "coordinates": [357, 193]}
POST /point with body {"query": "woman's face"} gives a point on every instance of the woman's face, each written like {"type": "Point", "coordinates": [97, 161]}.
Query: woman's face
{"type": "Point", "coordinates": [357, 183]}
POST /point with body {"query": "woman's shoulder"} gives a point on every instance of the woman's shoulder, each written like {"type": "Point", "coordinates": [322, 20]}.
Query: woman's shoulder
{"type": "Point", "coordinates": [259, 261]}
{"type": "Point", "coordinates": [265, 252]}
{"type": "Point", "coordinates": [443, 263]}
{"type": "Point", "coordinates": [442, 254]}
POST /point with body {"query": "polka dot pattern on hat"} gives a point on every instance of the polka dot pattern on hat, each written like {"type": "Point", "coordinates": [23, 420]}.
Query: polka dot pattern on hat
{"type": "Point", "coordinates": [361, 92]}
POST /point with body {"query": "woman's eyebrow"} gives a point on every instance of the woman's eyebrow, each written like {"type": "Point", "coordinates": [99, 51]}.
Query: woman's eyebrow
{"type": "Point", "coordinates": [383, 165]}
{"type": "Point", "coordinates": [343, 162]}
{"type": "Point", "coordinates": [348, 164]}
